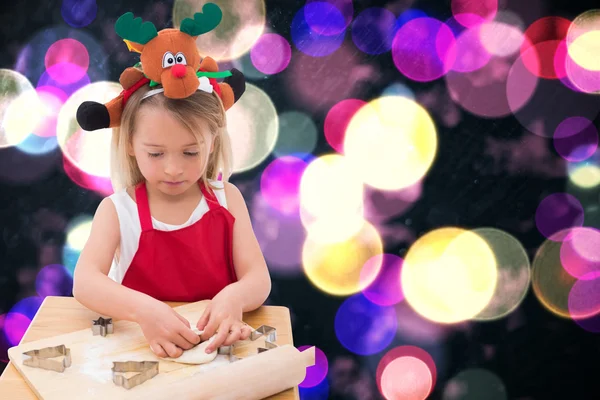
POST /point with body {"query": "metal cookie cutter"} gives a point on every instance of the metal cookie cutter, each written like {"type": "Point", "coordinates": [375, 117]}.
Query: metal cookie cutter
{"type": "Point", "coordinates": [102, 326]}
{"type": "Point", "coordinates": [145, 370]}
{"type": "Point", "coordinates": [228, 351]}
{"type": "Point", "coordinates": [270, 339]}
{"type": "Point", "coordinates": [43, 358]}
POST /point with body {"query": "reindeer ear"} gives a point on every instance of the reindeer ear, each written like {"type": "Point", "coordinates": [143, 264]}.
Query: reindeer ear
{"type": "Point", "coordinates": [135, 47]}
{"type": "Point", "coordinates": [203, 22]}
{"type": "Point", "coordinates": [134, 30]}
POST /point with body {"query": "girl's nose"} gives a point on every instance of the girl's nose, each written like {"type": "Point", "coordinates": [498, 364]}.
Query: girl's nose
{"type": "Point", "coordinates": [178, 70]}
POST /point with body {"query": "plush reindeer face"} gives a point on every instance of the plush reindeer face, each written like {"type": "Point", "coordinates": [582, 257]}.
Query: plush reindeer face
{"type": "Point", "coordinates": [170, 57]}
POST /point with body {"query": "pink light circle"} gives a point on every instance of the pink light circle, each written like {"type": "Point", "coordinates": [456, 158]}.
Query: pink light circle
{"type": "Point", "coordinates": [386, 289]}
{"type": "Point", "coordinates": [337, 120]}
{"type": "Point", "coordinates": [472, 13]}
{"type": "Point", "coordinates": [422, 383]}
{"type": "Point", "coordinates": [424, 49]}
{"type": "Point", "coordinates": [271, 54]}
{"type": "Point", "coordinates": [315, 373]}
{"type": "Point", "coordinates": [69, 51]}
{"type": "Point", "coordinates": [473, 54]}
{"type": "Point", "coordinates": [580, 252]}
{"type": "Point", "coordinates": [584, 297]}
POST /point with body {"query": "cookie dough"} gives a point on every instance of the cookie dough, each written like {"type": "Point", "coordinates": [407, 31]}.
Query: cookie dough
{"type": "Point", "coordinates": [197, 354]}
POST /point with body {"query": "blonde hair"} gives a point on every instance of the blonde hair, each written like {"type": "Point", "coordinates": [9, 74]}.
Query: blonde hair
{"type": "Point", "coordinates": [189, 112]}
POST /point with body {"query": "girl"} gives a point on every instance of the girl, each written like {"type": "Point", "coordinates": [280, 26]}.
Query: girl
{"type": "Point", "coordinates": [172, 231]}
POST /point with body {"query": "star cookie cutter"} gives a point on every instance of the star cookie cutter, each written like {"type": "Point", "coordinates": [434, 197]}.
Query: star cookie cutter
{"type": "Point", "coordinates": [228, 351]}
{"type": "Point", "coordinates": [270, 334]}
{"type": "Point", "coordinates": [102, 326]}
{"type": "Point", "coordinates": [145, 370]}
{"type": "Point", "coordinates": [43, 358]}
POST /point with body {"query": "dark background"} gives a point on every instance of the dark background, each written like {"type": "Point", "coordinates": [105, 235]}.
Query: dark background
{"type": "Point", "coordinates": [536, 354]}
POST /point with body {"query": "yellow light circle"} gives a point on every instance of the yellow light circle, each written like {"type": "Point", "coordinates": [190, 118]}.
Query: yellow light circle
{"type": "Point", "coordinates": [449, 275]}
{"type": "Point", "coordinates": [391, 142]}
{"type": "Point", "coordinates": [329, 189]}
{"type": "Point", "coordinates": [89, 151]}
{"type": "Point", "coordinates": [242, 25]}
{"type": "Point", "coordinates": [585, 176]}
{"type": "Point", "coordinates": [335, 268]}
{"type": "Point", "coordinates": [583, 40]}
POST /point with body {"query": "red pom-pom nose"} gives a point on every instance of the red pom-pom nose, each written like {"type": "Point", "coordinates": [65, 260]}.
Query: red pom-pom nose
{"type": "Point", "coordinates": [178, 70]}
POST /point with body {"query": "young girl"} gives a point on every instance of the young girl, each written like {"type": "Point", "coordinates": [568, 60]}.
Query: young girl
{"type": "Point", "coordinates": [172, 231]}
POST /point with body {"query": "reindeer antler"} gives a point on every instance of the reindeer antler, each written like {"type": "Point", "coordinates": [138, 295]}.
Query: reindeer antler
{"type": "Point", "coordinates": [204, 21]}
{"type": "Point", "coordinates": [134, 30]}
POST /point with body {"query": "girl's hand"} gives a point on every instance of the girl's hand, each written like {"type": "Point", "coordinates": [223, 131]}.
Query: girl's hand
{"type": "Point", "coordinates": [223, 316]}
{"type": "Point", "coordinates": [167, 332]}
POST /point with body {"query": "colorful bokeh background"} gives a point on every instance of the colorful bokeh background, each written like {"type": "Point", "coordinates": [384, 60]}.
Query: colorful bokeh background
{"type": "Point", "coordinates": [423, 178]}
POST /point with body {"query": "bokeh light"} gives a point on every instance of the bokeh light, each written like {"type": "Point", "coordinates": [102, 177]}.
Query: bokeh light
{"type": "Point", "coordinates": [319, 392]}
{"type": "Point", "coordinates": [280, 183]}
{"type": "Point", "coordinates": [78, 233]}
{"type": "Point", "coordinates": [337, 267]}
{"type": "Point", "coordinates": [501, 38]}
{"type": "Point", "coordinates": [67, 51]}
{"type": "Point", "coordinates": [297, 134]}
{"type": "Point", "coordinates": [558, 212]}
{"type": "Point", "coordinates": [583, 37]}
{"type": "Point", "coordinates": [315, 374]}
{"type": "Point", "coordinates": [475, 384]}
{"type": "Point", "coordinates": [542, 39]}
{"type": "Point", "coordinates": [406, 372]}
{"type": "Point", "coordinates": [88, 151]}
{"type": "Point", "coordinates": [330, 26]}
{"type": "Point", "coordinates": [281, 237]}
{"type": "Point", "coordinates": [514, 275]}
{"type": "Point", "coordinates": [15, 92]}
{"type": "Point", "coordinates": [79, 13]}
{"type": "Point", "coordinates": [253, 126]}
{"type": "Point", "coordinates": [99, 184]}
{"type": "Point", "coordinates": [398, 89]}
{"type": "Point", "coordinates": [551, 282]}
{"type": "Point", "coordinates": [473, 55]}
{"type": "Point", "coordinates": [240, 27]}
{"type": "Point", "coordinates": [584, 297]}
{"type": "Point", "coordinates": [415, 329]}
{"type": "Point", "coordinates": [54, 280]}
{"type": "Point", "coordinates": [429, 53]}
{"type": "Point", "coordinates": [449, 275]}
{"type": "Point", "coordinates": [383, 205]}
{"type": "Point", "coordinates": [373, 30]}
{"type": "Point", "coordinates": [473, 13]}
{"type": "Point", "coordinates": [391, 143]}
{"type": "Point", "coordinates": [337, 120]}
{"type": "Point", "coordinates": [309, 40]}
{"type": "Point", "coordinates": [585, 174]}
{"type": "Point", "coordinates": [331, 199]}
{"type": "Point", "coordinates": [19, 318]}
{"type": "Point", "coordinates": [386, 289]}
{"type": "Point", "coordinates": [364, 328]}
{"type": "Point", "coordinates": [271, 54]}
{"type": "Point", "coordinates": [576, 139]}
{"type": "Point", "coordinates": [579, 253]}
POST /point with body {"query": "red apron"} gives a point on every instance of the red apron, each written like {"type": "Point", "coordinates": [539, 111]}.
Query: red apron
{"type": "Point", "coordinates": [188, 264]}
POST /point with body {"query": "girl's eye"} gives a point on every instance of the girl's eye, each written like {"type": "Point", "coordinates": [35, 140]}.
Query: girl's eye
{"type": "Point", "coordinates": [154, 154]}
{"type": "Point", "coordinates": [189, 153]}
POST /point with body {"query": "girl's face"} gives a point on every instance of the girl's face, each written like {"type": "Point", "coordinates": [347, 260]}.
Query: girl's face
{"type": "Point", "coordinates": [168, 155]}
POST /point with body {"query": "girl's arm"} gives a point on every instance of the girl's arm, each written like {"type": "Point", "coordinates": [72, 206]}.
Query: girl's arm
{"type": "Point", "coordinates": [91, 285]}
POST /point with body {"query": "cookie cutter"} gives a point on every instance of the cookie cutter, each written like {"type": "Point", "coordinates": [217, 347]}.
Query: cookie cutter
{"type": "Point", "coordinates": [228, 351]}
{"type": "Point", "coordinates": [145, 370]}
{"type": "Point", "coordinates": [102, 326]}
{"type": "Point", "coordinates": [43, 358]}
{"type": "Point", "coordinates": [270, 334]}
{"type": "Point", "coordinates": [265, 330]}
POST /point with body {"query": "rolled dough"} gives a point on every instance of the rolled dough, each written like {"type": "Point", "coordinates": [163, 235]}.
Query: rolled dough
{"type": "Point", "coordinates": [197, 354]}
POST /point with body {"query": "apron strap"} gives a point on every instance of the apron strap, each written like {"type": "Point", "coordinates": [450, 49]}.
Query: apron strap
{"type": "Point", "coordinates": [141, 197]}
{"type": "Point", "coordinates": [210, 197]}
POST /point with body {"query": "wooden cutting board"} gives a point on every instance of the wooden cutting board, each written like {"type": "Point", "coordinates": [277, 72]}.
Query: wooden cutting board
{"type": "Point", "coordinates": [90, 375]}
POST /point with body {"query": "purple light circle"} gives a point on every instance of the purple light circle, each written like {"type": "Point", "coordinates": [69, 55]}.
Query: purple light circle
{"type": "Point", "coordinates": [15, 326]}
{"type": "Point", "coordinates": [557, 212]}
{"type": "Point", "coordinates": [584, 297]}
{"type": "Point", "coordinates": [424, 49]}
{"type": "Point", "coordinates": [54, 280]}
{"type": "Point", "coordinates": [579, 252]}
{"type": "Point", "coordinates": [576, 139]}
{"type": "Point", "coordinates": [386, 289]}
{"type": "Point", "coordinates": [363, 327]}
{"type": "Point", "coordinates": [310, 42]}
{"type": "Point", "coordinates": [280, 183]}
{"type": "Point", "coordinates": [315, 373]}
{"type": "Point", "coordinates": [61, 70]}
{"type": "Point", "coordinates": [333, 9]}
{"type": "Point", "coordinates": [271, 54]}
{"type": "Point", "coordinates": [373, 30]}
{"type": "Point", "coordinates": [79, 13]}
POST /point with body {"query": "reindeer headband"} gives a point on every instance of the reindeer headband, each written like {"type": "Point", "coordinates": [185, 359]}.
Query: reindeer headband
{"type": "Point", "coordinates": [170, 59]}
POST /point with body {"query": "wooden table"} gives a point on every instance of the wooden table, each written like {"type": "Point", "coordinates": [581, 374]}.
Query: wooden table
{"type": "Point", "coordinates": [60, 315]}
